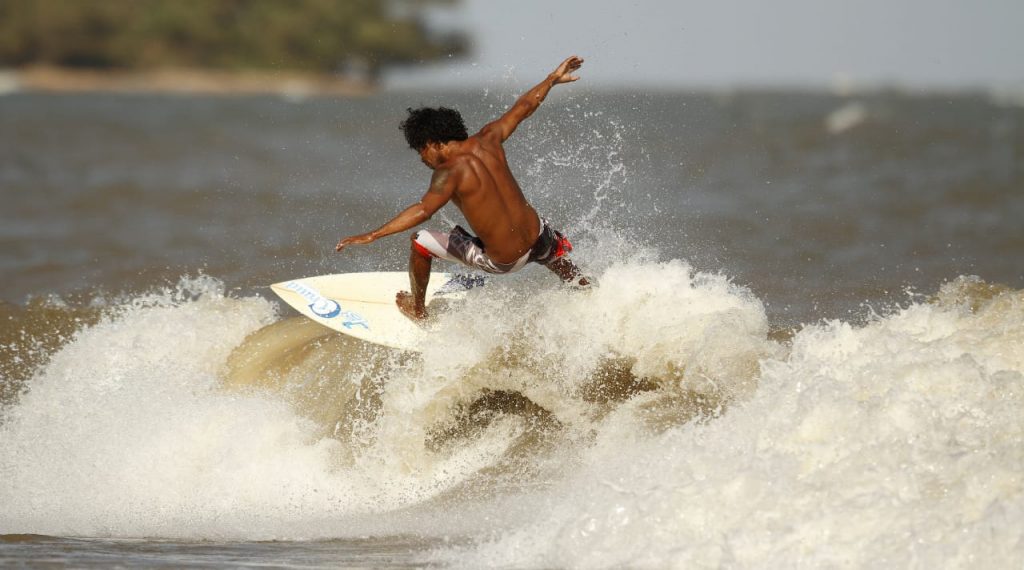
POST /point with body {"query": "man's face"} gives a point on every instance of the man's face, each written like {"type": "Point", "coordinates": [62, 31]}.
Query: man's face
{"type": "Point", "coordinates": [431, 155]}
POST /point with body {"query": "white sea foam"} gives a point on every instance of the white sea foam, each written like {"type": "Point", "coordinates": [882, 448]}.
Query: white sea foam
{"type": "Point", "coordinates": [127, 432]}
{"type": "Point", "coordinates": [897, 443]}
{"type": "Point", "coordinates": [124, 432]}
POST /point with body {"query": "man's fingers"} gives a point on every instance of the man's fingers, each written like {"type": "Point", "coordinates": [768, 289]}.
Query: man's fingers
{"type": "Point", "coordinates": [571, 63]}
{"type": "Point", "coordinates": [568, 66]}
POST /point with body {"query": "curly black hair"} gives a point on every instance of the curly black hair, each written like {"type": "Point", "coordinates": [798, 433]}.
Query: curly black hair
{"type": "Point", "coordinates": [425, 125]}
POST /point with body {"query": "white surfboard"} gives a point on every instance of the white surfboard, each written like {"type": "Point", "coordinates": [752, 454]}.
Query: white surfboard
{"type": "Point", "coordinates": [362, 305]}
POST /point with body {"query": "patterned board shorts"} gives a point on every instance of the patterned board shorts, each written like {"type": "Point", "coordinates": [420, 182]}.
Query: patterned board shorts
{"type": "Point", "coordinates": [463, 247]}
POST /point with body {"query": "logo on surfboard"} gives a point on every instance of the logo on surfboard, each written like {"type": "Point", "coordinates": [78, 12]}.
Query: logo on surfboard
{"type": "Point", "coordinates": [326, 308]}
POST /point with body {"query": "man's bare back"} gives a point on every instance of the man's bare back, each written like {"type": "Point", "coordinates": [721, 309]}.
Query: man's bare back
{"type": "Point", "coordinates": [472, 172]}
{"type": "Point", "coordinates": [490, 198]}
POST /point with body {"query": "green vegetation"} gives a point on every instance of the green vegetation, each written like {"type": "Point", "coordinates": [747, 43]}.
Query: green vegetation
{"type": "Point", "coordinates": [309, 35]}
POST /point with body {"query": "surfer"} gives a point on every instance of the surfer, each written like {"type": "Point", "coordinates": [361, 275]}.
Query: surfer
{"type": "Point", "coordinates": [472, 172]}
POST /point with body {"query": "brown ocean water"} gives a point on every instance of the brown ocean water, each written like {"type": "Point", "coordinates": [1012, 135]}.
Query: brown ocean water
{"type": "Point", "coordinates": [112, 193]}
{"type": "Point", "coordinates": [118, 212]}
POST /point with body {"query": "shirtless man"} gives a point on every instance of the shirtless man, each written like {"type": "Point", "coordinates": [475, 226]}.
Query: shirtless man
{"type": "Point", "coordinates": [472, 172]}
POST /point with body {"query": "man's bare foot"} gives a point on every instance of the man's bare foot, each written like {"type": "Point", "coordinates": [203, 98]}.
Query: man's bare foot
{"type": "Point", "coordinates": [407, 305]}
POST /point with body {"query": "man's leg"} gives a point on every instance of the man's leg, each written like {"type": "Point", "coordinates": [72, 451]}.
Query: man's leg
{"type": "Point", "coordinates": [567, 271]}
{"type": "Point", "coordinates": [413, 304]}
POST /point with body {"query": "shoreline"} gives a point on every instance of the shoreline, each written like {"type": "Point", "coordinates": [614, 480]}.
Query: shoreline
{"type": "Point", "coordinates": [287, 84]}
{"type": "Point", "coordinates": [296, 85]}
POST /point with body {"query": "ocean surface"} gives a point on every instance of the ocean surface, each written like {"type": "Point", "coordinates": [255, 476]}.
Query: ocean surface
{"type": "Point", "coordinates": [805, 349]}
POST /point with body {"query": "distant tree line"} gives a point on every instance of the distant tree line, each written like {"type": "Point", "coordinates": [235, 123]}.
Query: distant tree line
{"type": "Point", "coordinates": [311, 35]}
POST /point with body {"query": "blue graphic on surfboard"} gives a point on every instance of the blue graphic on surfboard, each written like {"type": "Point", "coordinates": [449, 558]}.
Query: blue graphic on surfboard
{"type": "Point", "coordinates": [362, 305]}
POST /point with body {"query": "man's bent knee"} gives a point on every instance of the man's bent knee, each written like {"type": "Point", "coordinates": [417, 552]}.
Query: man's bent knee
{"type": "Point", "coordinates": [418, 248]}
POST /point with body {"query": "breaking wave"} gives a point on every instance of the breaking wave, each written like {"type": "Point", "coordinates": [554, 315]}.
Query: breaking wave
{"type": "Point", "coordinates": [650, 421]}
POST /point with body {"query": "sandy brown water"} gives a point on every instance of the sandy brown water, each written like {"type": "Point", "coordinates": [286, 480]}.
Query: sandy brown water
{"type": "Point", "coordinates": [108, 354]}
{"type": "Point", "coordinates": [113, 193]}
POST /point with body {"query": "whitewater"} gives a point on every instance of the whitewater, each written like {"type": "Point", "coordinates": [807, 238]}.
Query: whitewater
{"type": "Point", "coordinates": [650, 424]}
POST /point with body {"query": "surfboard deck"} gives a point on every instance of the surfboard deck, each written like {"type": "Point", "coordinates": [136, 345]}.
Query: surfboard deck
{"type": "Point", "coordinates": [362, 305]}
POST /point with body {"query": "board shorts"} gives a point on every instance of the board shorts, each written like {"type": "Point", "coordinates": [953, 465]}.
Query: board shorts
{"type": "Point", "coordinates": [463, 247]}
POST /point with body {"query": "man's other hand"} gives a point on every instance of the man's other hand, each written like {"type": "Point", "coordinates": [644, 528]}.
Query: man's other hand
{"type": "Point", "coordinates": [361, 239]}
{"type": "Point", "coordinates": [563, 73]}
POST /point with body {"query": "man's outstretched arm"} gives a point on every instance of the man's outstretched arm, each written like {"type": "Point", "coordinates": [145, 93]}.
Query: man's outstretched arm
{"type": "Point", "coordinates": [442, 186]}
{"type": "Point", "coordinates": [529, 101]}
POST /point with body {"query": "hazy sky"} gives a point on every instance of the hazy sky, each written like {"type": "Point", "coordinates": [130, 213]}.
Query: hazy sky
{"type": "Point", "coordinates": [917, 43]}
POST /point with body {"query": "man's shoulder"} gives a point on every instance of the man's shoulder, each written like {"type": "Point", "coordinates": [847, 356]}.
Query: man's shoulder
{"type": "Point", "coordinates": [489, 134]}
{"type": "Point", "coordinates": [456, 169]}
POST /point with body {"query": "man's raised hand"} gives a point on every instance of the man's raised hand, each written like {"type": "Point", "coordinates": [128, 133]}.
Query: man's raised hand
{"type": "Point", "coordinates": [563, 73]}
